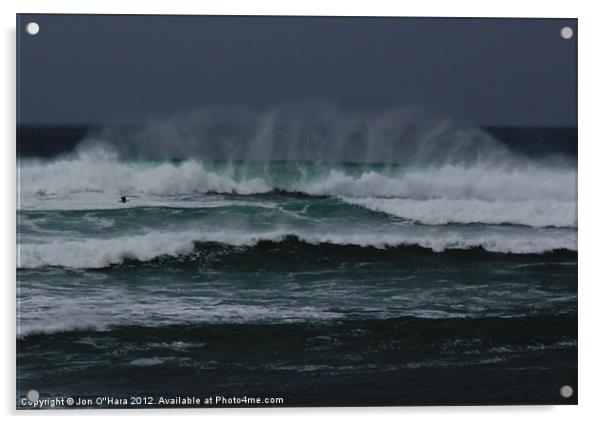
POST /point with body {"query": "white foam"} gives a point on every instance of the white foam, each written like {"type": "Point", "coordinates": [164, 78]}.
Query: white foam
{"type": "Point", "coordinates": [453, 182]}
{"type": "Point", "coordinates": [535, 213]}
{"type": "Point", "coordinates": [99, 178]}
{"type": "Point", "coordinates": [99, 310]}
{"type": "Point", "coordinates": [99, 171]}
{"type": "Point", "coordinates": [100, 253]}
{"type": "Point", "coordinates": [148, 362]}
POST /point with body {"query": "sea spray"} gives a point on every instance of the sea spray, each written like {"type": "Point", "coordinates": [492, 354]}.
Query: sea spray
{"type": "Point", "coordinates": [306, 131]}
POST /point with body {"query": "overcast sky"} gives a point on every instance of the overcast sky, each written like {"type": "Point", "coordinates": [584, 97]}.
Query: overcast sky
{"type": "Point", "coordinates": [119, 69]}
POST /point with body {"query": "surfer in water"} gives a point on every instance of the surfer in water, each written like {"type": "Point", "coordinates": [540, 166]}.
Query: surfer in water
{"type": "Point", "coordinates": [123, 199]}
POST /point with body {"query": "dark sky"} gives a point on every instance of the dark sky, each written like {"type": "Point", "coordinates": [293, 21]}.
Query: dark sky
{"type": "Point", "coordinates": [103, 69]}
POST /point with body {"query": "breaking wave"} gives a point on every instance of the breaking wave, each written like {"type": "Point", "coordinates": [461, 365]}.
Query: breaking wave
{"type": "Point", "coordinates": [525, 193]}
{"type": "Point", "coordinates": [100, 171]}
{"type": "Point", "coordinates": [534, 213]}
{"type": "Point", "coordinates": [101, 253]}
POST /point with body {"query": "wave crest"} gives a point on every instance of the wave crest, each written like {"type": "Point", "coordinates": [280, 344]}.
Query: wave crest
{"type": "Point", "coordinates": [98, 170]}
{"type": "Point", "coordinates": [102, 173]}
{"type": "Point", "coordinates": [534, 213]}
{"type": "Point", "coordinates": [101, 253]}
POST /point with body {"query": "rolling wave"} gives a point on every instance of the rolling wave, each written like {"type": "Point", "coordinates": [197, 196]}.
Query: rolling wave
{"type": "Point", "coordinates": [523, 194]}
{"type": "Point", "coordinates": [451, 182]}
{"type": "Point", "coordinates": [99, 171]}
{"type": "Point", "coordinates": [533, 213]}
{"type": "Point", "coordinates": [101, 253]}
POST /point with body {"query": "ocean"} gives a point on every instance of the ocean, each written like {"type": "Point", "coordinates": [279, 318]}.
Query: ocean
{"type": "Point", "coordinates": [323, 283]}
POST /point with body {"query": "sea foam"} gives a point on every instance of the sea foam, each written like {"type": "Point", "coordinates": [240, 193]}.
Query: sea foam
{"type": "Point", "coordinates": [534, 213]}
{"type": "Point", "coordinates": [97, 171]}
{"type": "Point", "coordinates": [100, 253]}
{"type": "Point", "coordinates": [523, 193]}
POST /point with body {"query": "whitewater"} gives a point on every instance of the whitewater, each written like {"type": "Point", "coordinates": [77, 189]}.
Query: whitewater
{"type": "Point", "coordinates": [518, 207]}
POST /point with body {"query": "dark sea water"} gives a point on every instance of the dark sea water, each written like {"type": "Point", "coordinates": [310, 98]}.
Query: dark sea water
{"type": "Point", "coordinates": [322, 283]}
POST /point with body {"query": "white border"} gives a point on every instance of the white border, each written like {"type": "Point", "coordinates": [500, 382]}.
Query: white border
{"type": "Point", "coordinates": [590, 165]}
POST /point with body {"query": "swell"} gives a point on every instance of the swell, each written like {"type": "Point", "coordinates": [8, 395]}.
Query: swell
{"type": "Point", "coordinates": [298, 208]}
{"type": "Point", "coordinates": [508, 330]}
{"type": "Point", "coordinates": [344, 362]}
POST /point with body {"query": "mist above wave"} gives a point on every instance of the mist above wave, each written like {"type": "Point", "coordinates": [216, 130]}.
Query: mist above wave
{"type": "Point", "coordinates": [430, 170]}
{"type": "Point", "coordinates": [307, 131]}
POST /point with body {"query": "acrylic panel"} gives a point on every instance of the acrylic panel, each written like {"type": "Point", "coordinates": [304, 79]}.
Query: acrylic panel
{"type": "Point", "coordinates": [276, 211]}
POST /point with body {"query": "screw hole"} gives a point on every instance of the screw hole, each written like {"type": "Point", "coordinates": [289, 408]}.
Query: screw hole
{"type": "Point", "coordinates": [566, 33]}
{"type": "Point", "coordinates": [32, 28]}
{"type": "Point", "coordinates": [566, 391]}
{"type": "Point", "coordinates": [32, 395]}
